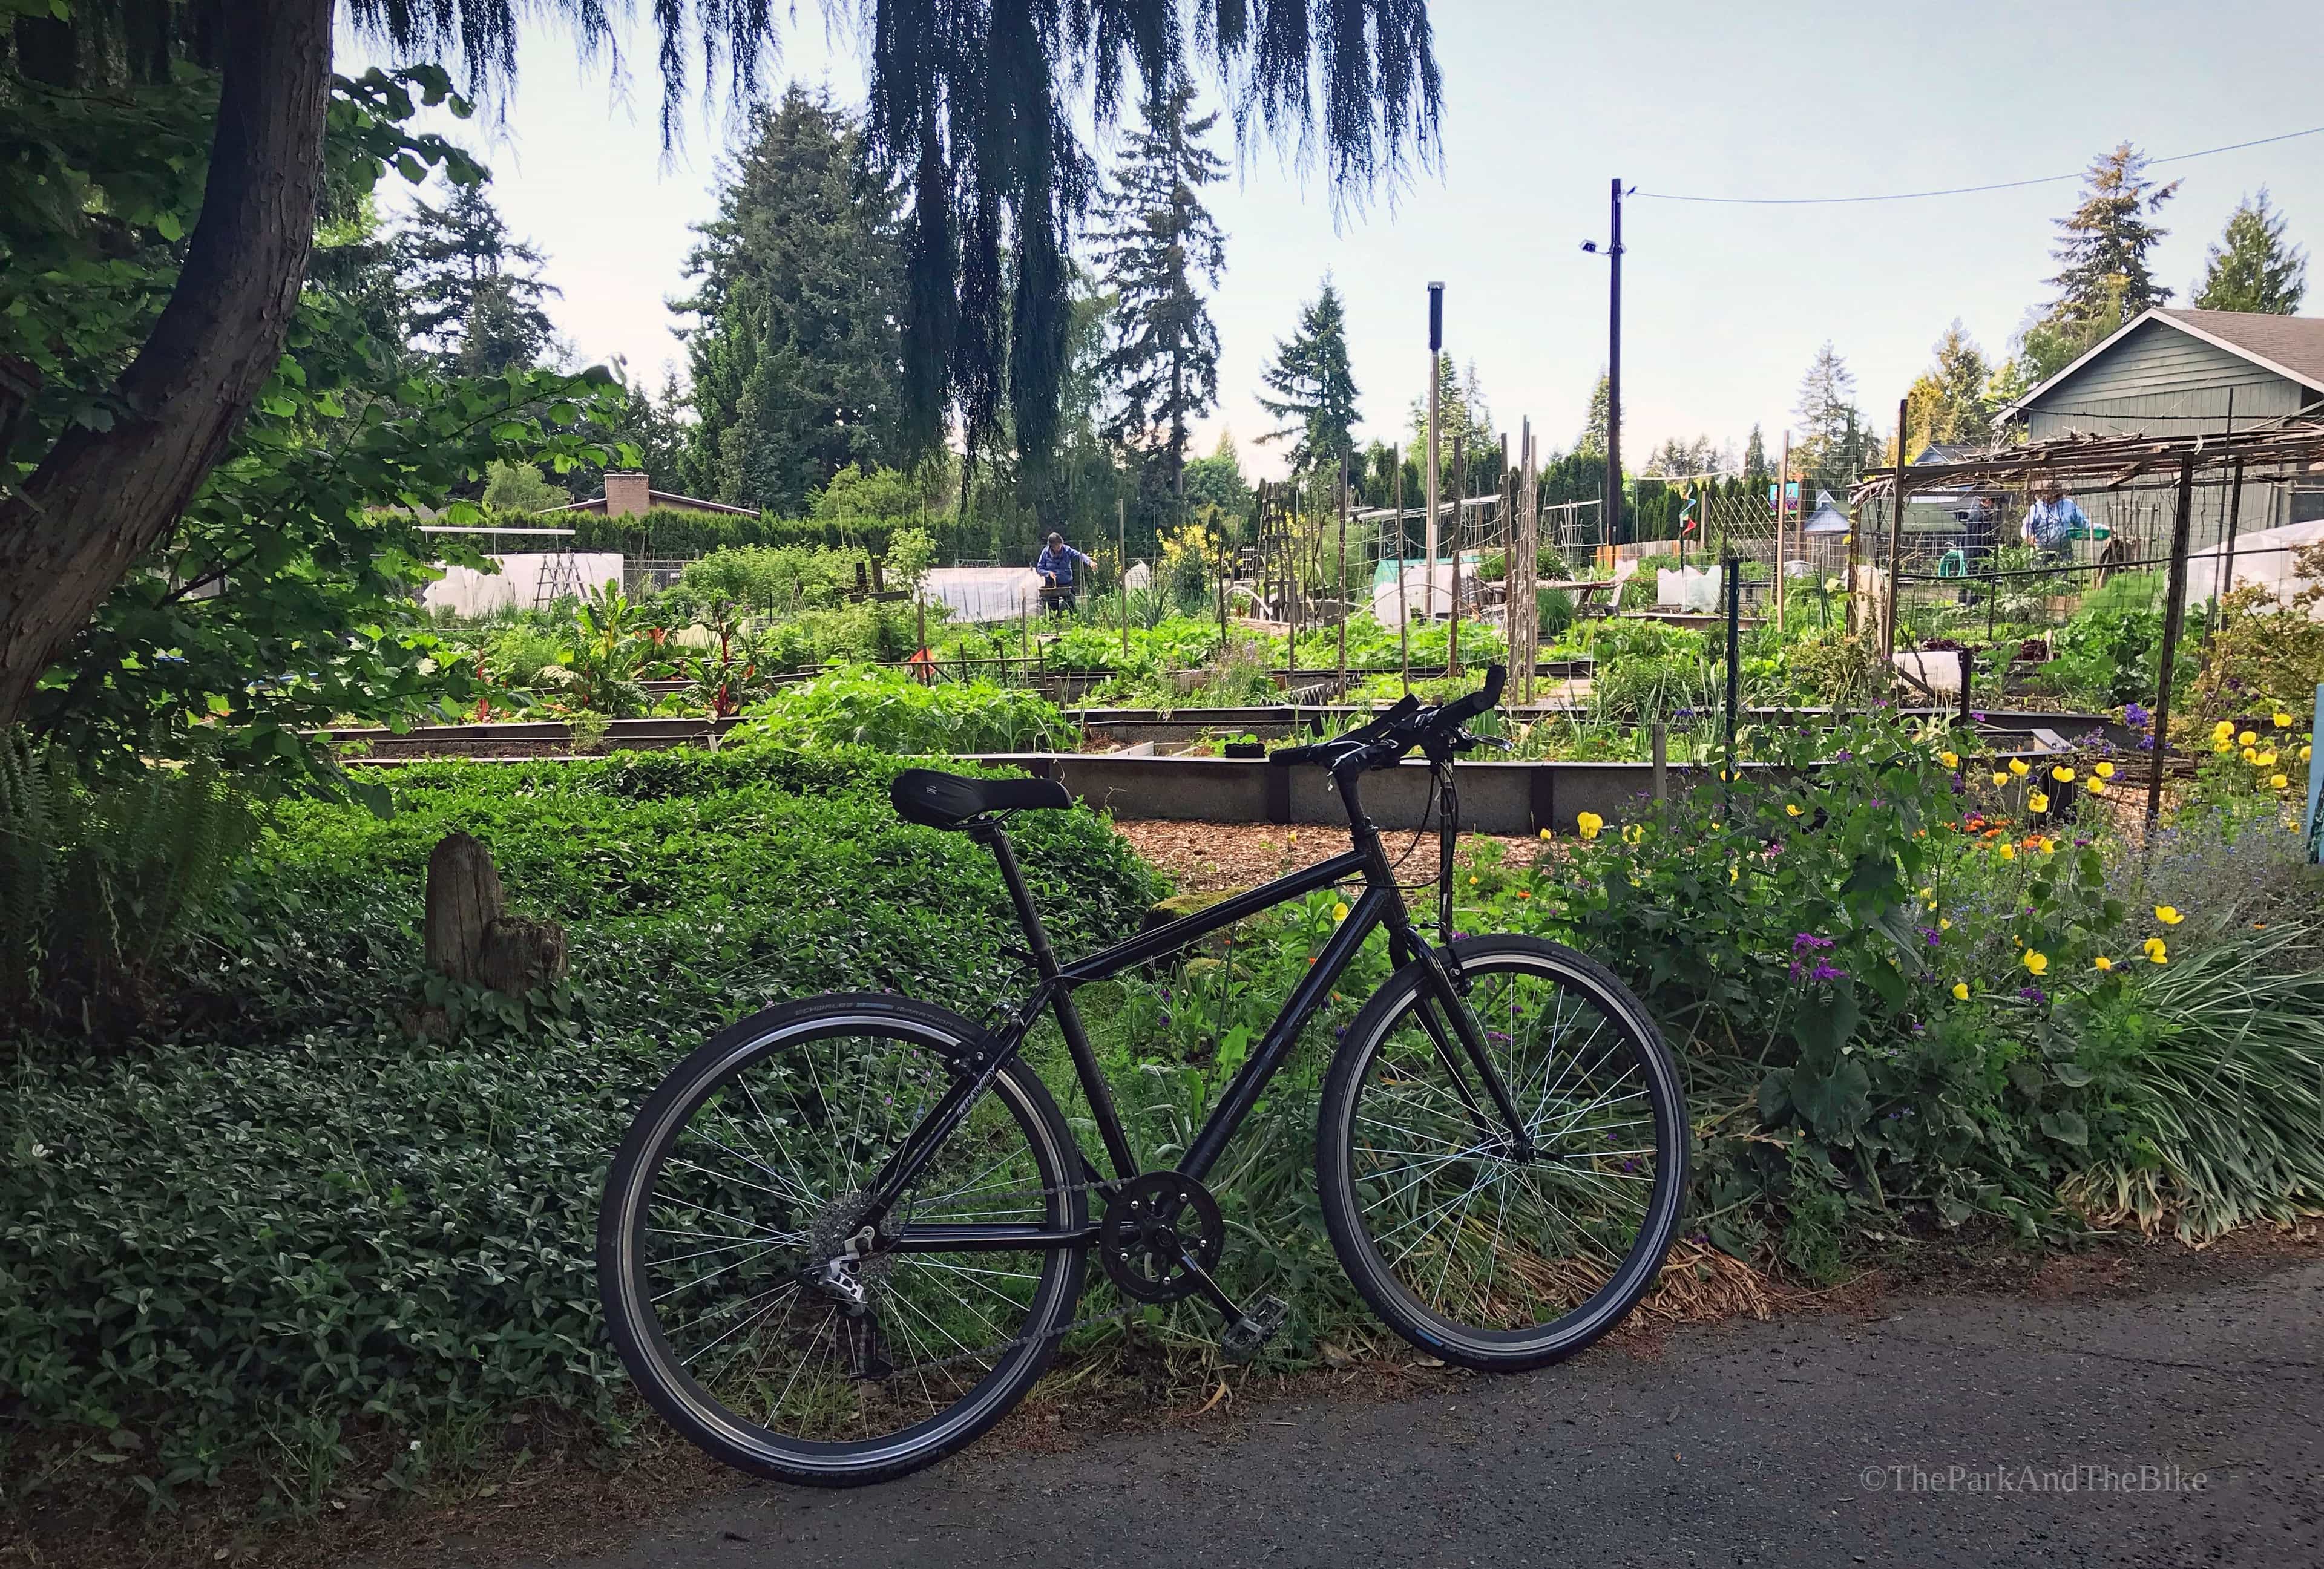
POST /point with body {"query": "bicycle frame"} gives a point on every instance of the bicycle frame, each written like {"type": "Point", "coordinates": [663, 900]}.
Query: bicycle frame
{"type": "Point", "coordinates": [1380, 904]}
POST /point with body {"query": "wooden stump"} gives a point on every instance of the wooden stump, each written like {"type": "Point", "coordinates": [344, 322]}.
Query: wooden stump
{"type": "Point", "coordinates": [469, 934]}
{"type": "Point", "coordinates": [464, 900]}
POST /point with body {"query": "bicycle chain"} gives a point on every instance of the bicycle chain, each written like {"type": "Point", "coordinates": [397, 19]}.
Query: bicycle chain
{"type": "Point", "coordinates": [997, 1351]}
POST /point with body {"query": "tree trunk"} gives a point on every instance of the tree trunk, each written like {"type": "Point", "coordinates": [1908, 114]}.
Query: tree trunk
{"type": "Point", "coordinates": [519, 953]}
{"type": "Point", "coordinates": [102, 498]}
{"type": "Point", "coordinates": [463, 906]}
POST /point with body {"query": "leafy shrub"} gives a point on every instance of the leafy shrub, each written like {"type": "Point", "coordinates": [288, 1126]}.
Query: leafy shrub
{"type": "Point", "coordinates": [1555, 609]}
{"type": "Point", "coordinates": [99, 880]}
{"type": "Point", "coordinates": [295, 1228]}
{"type": "Point", "coordinates": [888, 710]}
{"type": "Point", "coordinates": [2104, 655]}
{"type": "Point", "coordinates": [1836, 669]}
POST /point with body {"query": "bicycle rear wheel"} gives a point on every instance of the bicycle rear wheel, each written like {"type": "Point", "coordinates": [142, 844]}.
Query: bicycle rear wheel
{"type": "Point", "coordinates": [1483, 1258]}
{"type": "Point", "coordinates": [746, 1171]}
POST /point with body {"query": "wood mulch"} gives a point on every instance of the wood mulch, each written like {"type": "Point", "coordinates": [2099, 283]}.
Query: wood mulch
{"type": "Point", "coordinates": [1212, 857]}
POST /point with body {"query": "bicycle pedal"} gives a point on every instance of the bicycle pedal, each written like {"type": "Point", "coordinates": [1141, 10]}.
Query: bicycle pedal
{"type": "Point", "coordinates": [1257, 1326]}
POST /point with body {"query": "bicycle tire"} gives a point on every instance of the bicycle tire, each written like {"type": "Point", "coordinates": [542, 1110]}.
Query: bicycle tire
{"type": "Point", "coordinates": [624, 1263]}
{"type": "Point", "coordinates": [1357, 1181]}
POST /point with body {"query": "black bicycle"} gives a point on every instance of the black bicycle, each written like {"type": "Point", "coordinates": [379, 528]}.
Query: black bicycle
{"type": "Point", "coordinates": [844, 1237]}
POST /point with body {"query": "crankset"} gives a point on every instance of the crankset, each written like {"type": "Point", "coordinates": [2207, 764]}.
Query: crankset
{"type": "Point", "coordinates": [1160, 1237]}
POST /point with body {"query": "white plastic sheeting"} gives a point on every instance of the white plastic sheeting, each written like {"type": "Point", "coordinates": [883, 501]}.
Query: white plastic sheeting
{"type": "Point", "coordinates": [1419, 602]}
{"type": "Point", "coordinates": [466, 592]}
{"type": "Point", "coordinates": [984, 594]}
{"type": "Point", "coordinates": [1689, 588]}
{"type": "Point", "coordinates": [2262, 560]}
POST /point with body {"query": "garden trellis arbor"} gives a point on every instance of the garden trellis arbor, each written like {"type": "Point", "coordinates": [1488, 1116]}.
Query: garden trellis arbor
{"type": "Point", "coordinates": [2282, 450]}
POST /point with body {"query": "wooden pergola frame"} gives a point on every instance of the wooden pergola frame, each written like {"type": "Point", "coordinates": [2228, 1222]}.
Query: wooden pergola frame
{"type": "Point", "coordinates": [2283, 448]}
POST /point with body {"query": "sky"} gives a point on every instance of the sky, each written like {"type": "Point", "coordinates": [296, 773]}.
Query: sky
{"type": "Point", "coordinates": [1544, 105]}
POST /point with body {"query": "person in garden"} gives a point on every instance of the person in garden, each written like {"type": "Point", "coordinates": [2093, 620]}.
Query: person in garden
{"type": "Point", "coordinates": [1056, 565]}
{"type": "Point", "coordinates": [2051, 520]}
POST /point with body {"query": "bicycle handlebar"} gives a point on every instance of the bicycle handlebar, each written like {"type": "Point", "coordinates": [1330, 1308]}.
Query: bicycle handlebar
{"type": "Point", "coordinates": [1386, 738]}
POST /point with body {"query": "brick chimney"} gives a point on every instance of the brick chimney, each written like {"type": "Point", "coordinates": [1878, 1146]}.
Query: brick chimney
{"type": "Point", "coordinates": [626, 493]}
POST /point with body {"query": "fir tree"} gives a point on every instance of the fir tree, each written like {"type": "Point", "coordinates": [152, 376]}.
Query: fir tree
{"type": "Point", "coordinates": [2105, 241]}
{"type": "Point", "coordinates": [1314, 390]}
{"type": "Point", "coordinates": [796, 350]}
{"type": "Point", "coordinates": [1830, 424]}
{"type": "Point", "coordinates": [1948, 402]}
{"type": "Point", "coordinates": [1158, 247]}
{"type": "Point", "coordinates": [1756, 469]}
{"type": "Point", "coordinates": [473, 295]}
{"type": "Point", "coordinates": [2251, 268]}
{"type": "Point", "coordinates": [1591, 443]}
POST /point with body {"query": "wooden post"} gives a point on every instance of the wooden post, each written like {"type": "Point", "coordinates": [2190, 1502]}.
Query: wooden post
{"type": "Point", "coordinates": [1403, 609]}
{"type": "Point", "coordinates": [1783, 478]}
{"type": "Point", "coordinates": [1459, 489]}
{"type": "Point", "coordinates": [1661, 734]}
{"type": "Point", "coordinates": [1897, 538]}
{"type": "Point", "coordinates": [1734, 576]}
{"type": "Point", "coordinates": [2173, 614]}
{"type": "Point", "coordinates": [1122, 536]}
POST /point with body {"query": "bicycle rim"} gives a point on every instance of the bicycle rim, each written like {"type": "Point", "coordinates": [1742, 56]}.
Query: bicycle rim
{"type": "Point", "coordinates": [750, 1168]}
{"type": "Point", "coordinates": [1486, 1258]}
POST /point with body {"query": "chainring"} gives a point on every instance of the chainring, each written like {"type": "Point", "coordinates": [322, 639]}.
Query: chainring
{"type": "Point", "coordinates": [1149, 1222]}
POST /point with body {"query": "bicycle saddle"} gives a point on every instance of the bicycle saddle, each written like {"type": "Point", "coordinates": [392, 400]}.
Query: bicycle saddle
{"type": "Point", "coordinates": [949, 800]}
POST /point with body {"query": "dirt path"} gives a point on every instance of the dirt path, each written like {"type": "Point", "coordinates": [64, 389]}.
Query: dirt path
{"type": "Point", "coordinates": [1206, 857]}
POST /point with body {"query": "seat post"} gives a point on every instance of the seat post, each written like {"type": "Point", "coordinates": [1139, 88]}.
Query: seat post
{"type": "Point", "coordinates": [1013, 876]}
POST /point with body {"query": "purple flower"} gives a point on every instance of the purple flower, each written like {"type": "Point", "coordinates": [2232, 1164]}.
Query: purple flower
{"type": "Point", "coordinates": [1929, 932]}
{"type": "Point", "coordinates": [2134, 715]}
{"type": "Point", "coordinates": [2033, 994]}
{"type": "Point", "coordinates": [1973, 714]}
{"type": "Point", "coordinates": [1823, 972]}
{"type": "Point", "coordinates": [1803, 941]}
{"type": "Point", "coordinates": [1844, 755]}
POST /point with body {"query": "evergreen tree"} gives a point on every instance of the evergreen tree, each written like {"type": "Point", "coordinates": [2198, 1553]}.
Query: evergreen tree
{"type": "Point", "coordinates": [1157, 245]}
{"type": "Point", "coordinates": [795, 351]}
{"type": "Point", "coordinates": [1591, 443]}
{"type": "Point", "coordinates": [2105, 241]}
{"type": "Point", "coordinates": [1314, 390]}
{"type": "Point", "coordinates": [473, 295]}
{"type": "Point", "coordinates": [1948, 402]}
{"type": "Point", "coordinates": [1830, 424]}
{"type": "Point", "coordinates": [2251, 268]}
{"type": "Point", "coordinates": [1462, 414]}
{"type": "Point", "coordinates": [1756, 469]}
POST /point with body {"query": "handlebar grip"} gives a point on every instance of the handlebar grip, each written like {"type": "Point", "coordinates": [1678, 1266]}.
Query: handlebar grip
{"type": "Point", "coordinates": [1461, 710]}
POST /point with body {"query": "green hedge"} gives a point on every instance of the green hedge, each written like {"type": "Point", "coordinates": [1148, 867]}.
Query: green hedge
{"type": "Point", "coordinates": [292, 1225]}
{"type": "Point", "coordinates": [672, 532]}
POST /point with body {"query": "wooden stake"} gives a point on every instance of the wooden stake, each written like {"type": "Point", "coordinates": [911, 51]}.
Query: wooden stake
{"type": "Point", "coordinates": [1459, 489]}
{"type": "Point", "coordinates": [2173, 614]}
{"type": "Point", "coordinates": [1343, 578]}
{"type": "Point", "coordinates": [1896, 538]}
{"type": "Point", "coordinates": [1782, 479]}
{"type": "Point", "coordinates": [1402, 610]}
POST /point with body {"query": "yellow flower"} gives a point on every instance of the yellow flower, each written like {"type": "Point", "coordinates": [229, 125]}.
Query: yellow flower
{"type": "Point", "coordinates": [2036, 962]}
{"type": "Point", "coordinates": [2267, 759]}
{"type": "Point", "coordinates": [2008, 851]}
{"type": "Point", "coordinates": [2097, 787]}
{"type": "Point", "coordinates": [2168, 914]}
{"type": "Point", "coordinates": [2283, 721]}
{"type": "Point", "coordinates": [1339, 912]}
{"type": "Point", "coordinates": [2305, 753]}
{"type": "Point", "coordinates": [1588, 824]}
{"type": "Point", "coordinates": [2223, 729]}
{"type": "Point", "coordinates": [2000, 779]}
{"type": "Point", "coordinates": [1944, 923]}
{"type": "Point", "coordinates": [1950, 759]}
{"type": "Point", "coordinates": [2247, 739]}
{"type": "Point", "coordinates": [2155, 950]}
{"type": "Point", "coordinates": [2017, 766]}
{"type": "Point", "coordinates": [2251, 754]}
{"type": "Point", "coordinates": [1472, 882]}
{"type": "Point", "coordinates": [1790, 809]}
{"type": "Point", "coordinates": [2277, 782]}
{"type": "Point", "coordinates": [2049, 846]}
{"type": "Point", "coordinates": [1961, 991]}
{"type": "Point", "coordinates": [2063, 775]}
{"type": "Point", "coordinates": [2224, 746]}
{"type": "Point", "coordinates": [2037, 802]}
{"type": "Point", "coordinates": [1632, 834]}
{"type": "Point", "coordinates": [2104, 770]}
{"type": "Point", "coordinates": [1544, 833]}
{"type": "Point", "coordinates": [2101, 963]}
{"type": "Point", "coordinates": [1733, 872]}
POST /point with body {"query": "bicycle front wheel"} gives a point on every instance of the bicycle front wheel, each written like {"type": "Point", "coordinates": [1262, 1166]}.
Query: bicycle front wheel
{"type": "Point", "coordinates": [744, 1178]}
{"type": "Point", "coordinates": [1468, 1251]}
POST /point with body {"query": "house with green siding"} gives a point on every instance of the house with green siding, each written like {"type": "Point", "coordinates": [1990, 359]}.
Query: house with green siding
{"type": "Point", "coordinates": [2178, 372]}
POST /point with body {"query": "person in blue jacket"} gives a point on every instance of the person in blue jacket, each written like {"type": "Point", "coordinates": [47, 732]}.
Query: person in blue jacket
{"type": "Point", "coordinates": [1056, 565]}
{"type": "Point", "coordinates": [2052, 519]}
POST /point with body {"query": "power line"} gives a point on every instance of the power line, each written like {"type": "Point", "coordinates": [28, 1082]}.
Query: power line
{"type": "Point", "coordinates": [1952, 191]}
